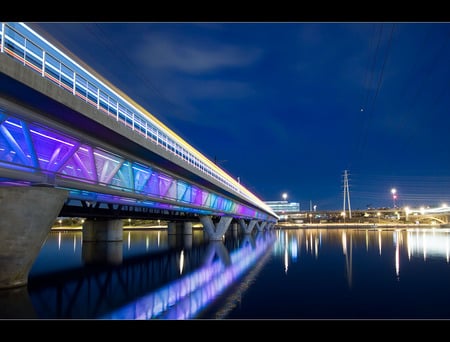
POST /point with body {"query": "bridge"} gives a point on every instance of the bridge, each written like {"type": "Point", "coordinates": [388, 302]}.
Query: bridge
{"type": "Point", "coordinates": [72, 143]}
{"type": "Point", "coordinates": [407, 215]}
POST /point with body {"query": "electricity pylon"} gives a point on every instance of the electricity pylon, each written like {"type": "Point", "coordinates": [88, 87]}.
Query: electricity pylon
{"type": "Point", "coordinates": [347, 195]}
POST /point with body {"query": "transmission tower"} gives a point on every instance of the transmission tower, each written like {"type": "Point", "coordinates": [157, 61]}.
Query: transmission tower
{"type": "Point", "coordinates": [347, 194]}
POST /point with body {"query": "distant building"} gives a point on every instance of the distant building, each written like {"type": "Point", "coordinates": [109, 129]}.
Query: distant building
{"type": "Point", "coordinates": [281, 207]}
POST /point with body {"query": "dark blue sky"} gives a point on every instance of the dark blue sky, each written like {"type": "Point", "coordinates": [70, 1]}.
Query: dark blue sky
{"type": "Point", "coordinates": [287, 107]}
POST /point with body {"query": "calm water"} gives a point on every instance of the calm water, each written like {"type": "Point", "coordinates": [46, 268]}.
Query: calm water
{"type": "Point", "coordinates": [283, 274]}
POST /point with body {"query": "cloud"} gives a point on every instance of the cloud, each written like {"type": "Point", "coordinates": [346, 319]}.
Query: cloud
{"type": "Point", "coordinates": [193, 57]}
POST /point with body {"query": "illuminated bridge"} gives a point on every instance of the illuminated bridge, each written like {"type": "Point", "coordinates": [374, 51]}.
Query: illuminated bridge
{"type": "Point", "coordinates": [73, 144]}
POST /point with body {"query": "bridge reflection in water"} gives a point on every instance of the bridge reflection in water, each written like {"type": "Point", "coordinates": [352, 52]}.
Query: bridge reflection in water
{"type": "Point", "coordinates": [178, 281]}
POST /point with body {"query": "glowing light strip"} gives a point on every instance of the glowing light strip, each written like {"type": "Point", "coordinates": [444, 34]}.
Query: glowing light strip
{"type": "Point", "coordinates": [41, 134]}
{"type": "Point", "coordinates": [86, 170]}
{"type": "Point", "coordinates": [106, 198]}
{"type": "Point", "coordinates": [188, 296]}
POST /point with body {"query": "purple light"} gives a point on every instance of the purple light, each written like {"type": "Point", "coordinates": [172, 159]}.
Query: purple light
{"type": "Point", "coordinates": [30, 148]}
{"type": "Point", "coordinates": [188, 296]}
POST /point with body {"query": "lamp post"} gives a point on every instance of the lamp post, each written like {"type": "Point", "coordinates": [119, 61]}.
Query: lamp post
{"type": "Point", "coordinates": [394, 195]}
{"type": "Point", "coordinates": [284, 196]}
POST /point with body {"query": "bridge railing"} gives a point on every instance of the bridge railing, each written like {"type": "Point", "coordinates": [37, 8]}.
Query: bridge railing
{"type": "Point", "coordinates": [19, 42]}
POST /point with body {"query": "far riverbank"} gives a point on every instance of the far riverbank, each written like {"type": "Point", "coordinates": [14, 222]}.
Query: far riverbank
{"type": "Point", "coordinates": [358, 225]}
{"type": "Point", "coordinates": [286, 226]}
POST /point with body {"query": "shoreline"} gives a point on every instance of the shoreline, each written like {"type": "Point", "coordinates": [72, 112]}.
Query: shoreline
{"type": "Point", "coordinates": [360, 225]}
{"type": "Point", "coordinates": [288, 226]}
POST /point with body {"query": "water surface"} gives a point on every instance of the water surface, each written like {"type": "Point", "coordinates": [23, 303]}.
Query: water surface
{"type": "Point", "coordinates": [282, 274]}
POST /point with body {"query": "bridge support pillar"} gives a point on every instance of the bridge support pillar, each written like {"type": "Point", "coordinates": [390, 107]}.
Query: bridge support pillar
{"type": "Point", "coordinates": [27, 215]}
{"type": "Point", "coordinates": [187, 228]}
{"type": "Point", "coordinates": [215, 231]}
{"type": "Point", "coordinates": [174, 228]}
{"type": "Point", "coordinates": [261, 226]}
{"type": "Point", "coordinates": [247, 229]}
{"type": "Point", "coordinates": [180, 234]}
{"type": "Point", "coordinates": [103, 230]}
{"type": "Point", "coordinates": [234, 227]}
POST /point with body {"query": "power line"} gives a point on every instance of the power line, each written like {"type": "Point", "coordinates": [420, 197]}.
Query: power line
{"type": "Point", "coordinates": [370, 106]}
{"type": "Point", "coordinates": [115, 49]}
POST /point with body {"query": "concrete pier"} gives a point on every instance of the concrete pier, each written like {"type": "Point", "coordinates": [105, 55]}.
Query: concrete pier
{"type": "Point", "coordinates": [27, 215]}
{"type": "Point", "coordinates": [247, 228]}
{"type": "Point", "coordinates": [215, 231]}
{"type": "Point", "coordinates": [102, 230]}
{"type": "Point", "coordinates": [174, 228]}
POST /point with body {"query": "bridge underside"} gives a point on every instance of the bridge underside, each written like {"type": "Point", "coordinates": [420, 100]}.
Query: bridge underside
{"type": "Point", "coordinates": [89, 209]}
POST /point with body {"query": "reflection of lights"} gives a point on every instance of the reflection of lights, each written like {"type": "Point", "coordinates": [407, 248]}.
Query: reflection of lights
{"type": "Point", "coordinates": [59, 240]}
{"type": "Point", "coordinates": [186, 297]}
{"type": "Point", "coordinates": [286, 259]}
{"type": "Point", "coordinates": [344, 243]}
{"type": "Point", "coordinates": [348, 261]}
{"type": "Point", "coordinates": [397, 239]}
{"type": "Point", "coordinates": [424, 247]}
{"type": "Point", "coordinates": [147, 243]}
{"type": "Point", "coordinates": [367, 240]}
{"type": "Point", "coordinates": [379, 241]}
{"type": "Point", "coordinates": [129, 240]}
{"type": "Point", "coordinates": [294, 246]}
{"type": "Point", "coordinates": [426, 242]}
{"type": "Point", "coordinates": [316, 247]}
{"type": "Point", "coordinates": [447, 250]}
{"type": "Point", "coordinates": [244, 285]}
{"type": "Point", "coordinates": [181, 261]}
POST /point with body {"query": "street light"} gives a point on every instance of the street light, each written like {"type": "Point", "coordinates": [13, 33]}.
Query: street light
{"type": "Point", "coordinates": [284, 196]}
{"type": "Point", "coordinates": [394, 195]}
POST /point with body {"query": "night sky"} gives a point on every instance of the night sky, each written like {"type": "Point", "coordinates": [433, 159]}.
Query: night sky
{"type": "Point", "coordinates": [289, 106]}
